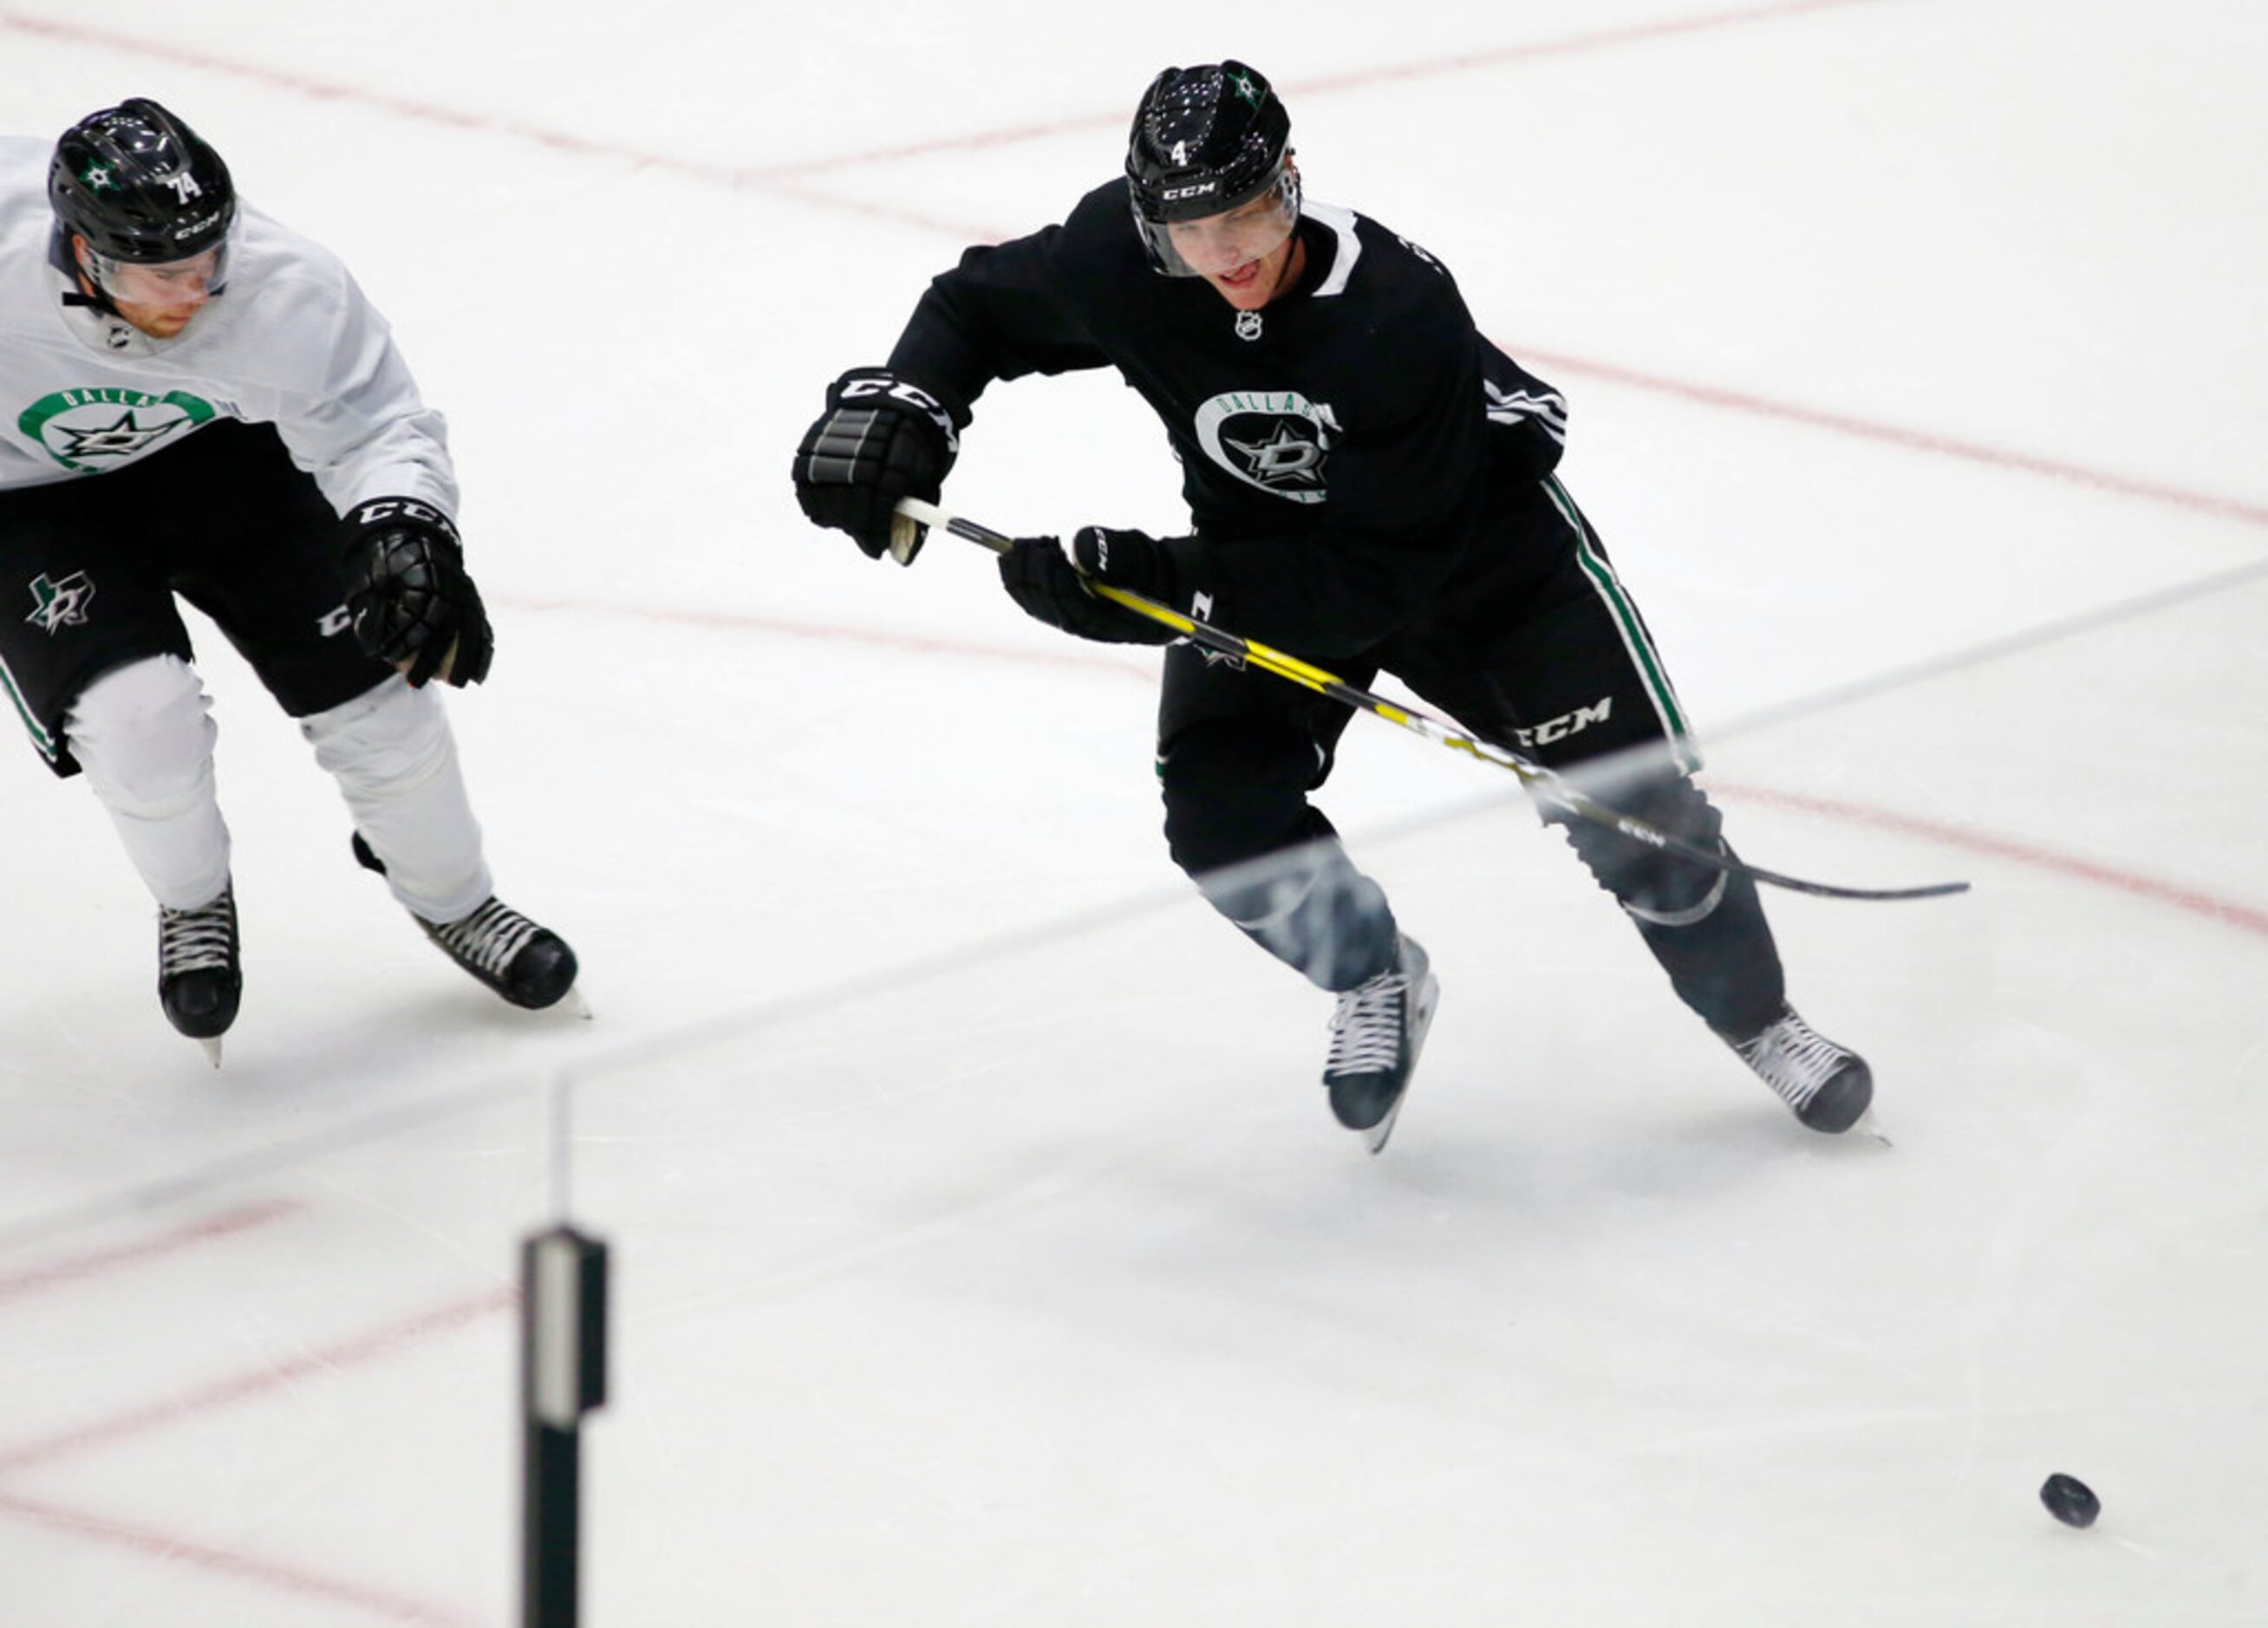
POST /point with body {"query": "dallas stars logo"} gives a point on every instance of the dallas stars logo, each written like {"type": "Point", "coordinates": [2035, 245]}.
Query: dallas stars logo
{"type": "Point", "coordinates": [1277, 440]}
{"type": "Point", "coordinates": [122, 439]}
{"type": "Point", "coordinates": [98, 176]}
{"type": "Point", "coordinates": [58, 605]}
{"type": "Point", "coordinates": [1286, 459]}
{"type": "Point", "coordinates": [1243, 86]}
{"type": "Point", "coordinates": [100, 427]}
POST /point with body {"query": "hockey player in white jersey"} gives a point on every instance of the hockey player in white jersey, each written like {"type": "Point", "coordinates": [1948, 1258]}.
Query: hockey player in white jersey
{"type": "Point", "coordinates": [195, 401]}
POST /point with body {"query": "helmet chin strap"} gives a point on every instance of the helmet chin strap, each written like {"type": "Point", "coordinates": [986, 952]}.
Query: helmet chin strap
{"type": "Point", "coordinates": [71, 259]}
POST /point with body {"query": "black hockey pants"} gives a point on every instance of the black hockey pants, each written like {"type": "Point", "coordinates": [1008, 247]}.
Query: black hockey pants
{"type": "Point", "coordinates": [224, 520]}
{"type": "Point", "coordinates": [1533, 646]}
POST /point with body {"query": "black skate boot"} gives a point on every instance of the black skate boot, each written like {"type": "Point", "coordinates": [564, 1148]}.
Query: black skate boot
{"type": "Point", "coordinates": [1829, 1087]}
{"type": "Point", "coordinates": [529, 965]}
{"type": "Point", "coordinates": [1376, 1035]}
{"type": "Point", "coordinates": [200, 969]}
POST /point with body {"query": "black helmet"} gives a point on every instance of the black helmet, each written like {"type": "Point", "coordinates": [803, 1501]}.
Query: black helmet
{"type": "Point", "coordinates": [1205, 139]}
{"type": "Point", "coordinates": [140, 186]}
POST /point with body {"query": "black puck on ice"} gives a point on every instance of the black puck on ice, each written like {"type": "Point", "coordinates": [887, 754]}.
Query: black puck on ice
{"type": "Point", "coordinates": [2069, 1500]}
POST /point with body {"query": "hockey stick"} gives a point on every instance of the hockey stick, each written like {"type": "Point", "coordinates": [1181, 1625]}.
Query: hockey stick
{"type": "Point", "coordinates": [1544, 783]}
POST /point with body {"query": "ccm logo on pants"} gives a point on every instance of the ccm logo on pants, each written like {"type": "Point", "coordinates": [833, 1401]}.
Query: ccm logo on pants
{"type": "Point", "coordinates": [1567, 724]}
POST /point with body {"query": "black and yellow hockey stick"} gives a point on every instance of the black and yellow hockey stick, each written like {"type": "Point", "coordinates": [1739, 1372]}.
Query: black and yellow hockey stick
{"type": "Point", "coordinates": [1547, 785]}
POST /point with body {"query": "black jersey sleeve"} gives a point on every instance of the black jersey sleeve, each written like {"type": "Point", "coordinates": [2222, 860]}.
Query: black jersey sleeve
{"type": "Point", "coordinates": [1527, 418]}
{"type": "Point", "coordinates": [1005, 311]}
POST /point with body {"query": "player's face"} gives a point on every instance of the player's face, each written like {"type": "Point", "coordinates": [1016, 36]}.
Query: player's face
{"type": "Point", "coordinates": [1248, 254]}
{"type": "Point", "coordinates": [160, 299]}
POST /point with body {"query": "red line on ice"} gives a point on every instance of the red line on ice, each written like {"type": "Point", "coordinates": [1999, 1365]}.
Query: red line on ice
{"type": "Point", "coordinates": [246, 1568]}
{"type": "Point", "coordinates": [357, 1350]}
{"type": "Point", "coordinates": [1606, 39]}
{"type": "Point", "coordinates": [2244, 917]}
{"type": "Point", "coordinates": [2227, 911]}
{"type": "Point", "coordinates": [567, 141]}
{"type": "Point", "coordinates": [1919, 440]}
{"type": "Point", "coordinates": [1361, 78]}
{"type": "Point", "coordinates": [78, 1269]}
{"type": "Point", "coordinates": [922, 643]}
{"type": "Point", "coordinates": [781, 177]}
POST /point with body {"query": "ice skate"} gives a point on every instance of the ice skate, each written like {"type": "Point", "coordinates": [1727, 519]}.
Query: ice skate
{"type": "Point", "coordinates": [1829, 1087]}
{"type": "Point", "coordinates": [200, 969]}
{"type": "Point", "coordinates": [1376, 1035]}
{"type": "Point", "coordinates": [527, 963]}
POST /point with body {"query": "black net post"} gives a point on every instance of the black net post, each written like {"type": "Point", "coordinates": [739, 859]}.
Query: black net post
{"type": "Point", "coordinates": [563, 1374]}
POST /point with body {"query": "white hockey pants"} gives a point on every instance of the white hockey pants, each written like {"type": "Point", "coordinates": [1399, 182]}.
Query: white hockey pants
{"type": "Point", "coordinates": [143, 734]}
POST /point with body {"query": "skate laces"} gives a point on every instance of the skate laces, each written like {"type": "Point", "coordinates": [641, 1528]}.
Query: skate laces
{"type": "Point", "coordinates": [487, 939]}
{"type": "Point", "coordinates": [1793, 1059]}
{"type": "Point", "coordinates": [1367, 1027]}
{"type": "Point", "coordinates": [197, 939]}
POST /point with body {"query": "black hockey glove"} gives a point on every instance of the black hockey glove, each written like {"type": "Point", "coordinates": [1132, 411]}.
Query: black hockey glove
{"type": "Point", "coordinates": [1131, 560]}
{"type": "Point", "coordinates": [1039, 575]}
{"type": "Point", "coordinates": [411, 602]}
{"type": "Point", "coordinates": [879, 440]}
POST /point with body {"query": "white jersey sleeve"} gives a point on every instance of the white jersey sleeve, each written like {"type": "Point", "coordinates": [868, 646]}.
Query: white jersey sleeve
{"type": "Point", "coordinates": [335, 387]}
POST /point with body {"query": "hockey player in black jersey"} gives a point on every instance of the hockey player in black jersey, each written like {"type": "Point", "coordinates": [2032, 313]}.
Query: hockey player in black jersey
{"type": "Point", "coordinates": [1371, 486]}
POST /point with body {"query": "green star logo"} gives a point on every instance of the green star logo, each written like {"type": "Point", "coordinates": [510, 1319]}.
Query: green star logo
{"type": "Point", "coordinates": [98, 177]}
{"type": "Point", "coordinates": [1243, 86]}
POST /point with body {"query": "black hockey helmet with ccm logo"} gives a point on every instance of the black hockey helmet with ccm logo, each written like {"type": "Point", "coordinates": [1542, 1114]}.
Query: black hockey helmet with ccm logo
{"type": "Point", "coordinates": [140, 186]}
{"type": "Point", "coordinates": [1206, 140]}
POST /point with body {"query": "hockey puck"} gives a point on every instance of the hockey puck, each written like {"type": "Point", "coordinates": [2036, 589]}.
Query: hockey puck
{"type": "Point", "coordinates": [2069, 1500]}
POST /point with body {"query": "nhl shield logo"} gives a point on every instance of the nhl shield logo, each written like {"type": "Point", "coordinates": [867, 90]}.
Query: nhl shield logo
{"type": "Point", "coordinates": [59, 605]}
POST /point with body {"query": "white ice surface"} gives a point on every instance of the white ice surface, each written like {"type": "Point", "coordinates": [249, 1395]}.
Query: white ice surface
{"type": "Point", "coordinates": [984, 1253]}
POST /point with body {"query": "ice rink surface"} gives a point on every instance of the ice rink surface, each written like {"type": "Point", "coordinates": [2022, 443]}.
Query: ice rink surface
{"type": "Point", "coordinates": [985, 1254]}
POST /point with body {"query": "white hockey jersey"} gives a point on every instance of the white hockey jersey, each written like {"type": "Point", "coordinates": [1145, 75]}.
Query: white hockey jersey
{"type": "Point", "coordinates": [291, 342]}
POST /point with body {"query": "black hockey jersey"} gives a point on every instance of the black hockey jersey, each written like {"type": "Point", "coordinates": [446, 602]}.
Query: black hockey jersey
{"type": "Point", "coordinates": [1337, 446]}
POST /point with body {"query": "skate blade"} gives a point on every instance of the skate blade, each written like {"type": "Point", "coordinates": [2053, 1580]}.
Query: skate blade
{"type": "Point", "coordinates": [1375, 1137]}
{"type": "Point", "coordinates": [1869, 1127]}
{"type": "Point", "coordinates": [573, 1001]}
{"type": "Point", "coordinates": [212, 1049]}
